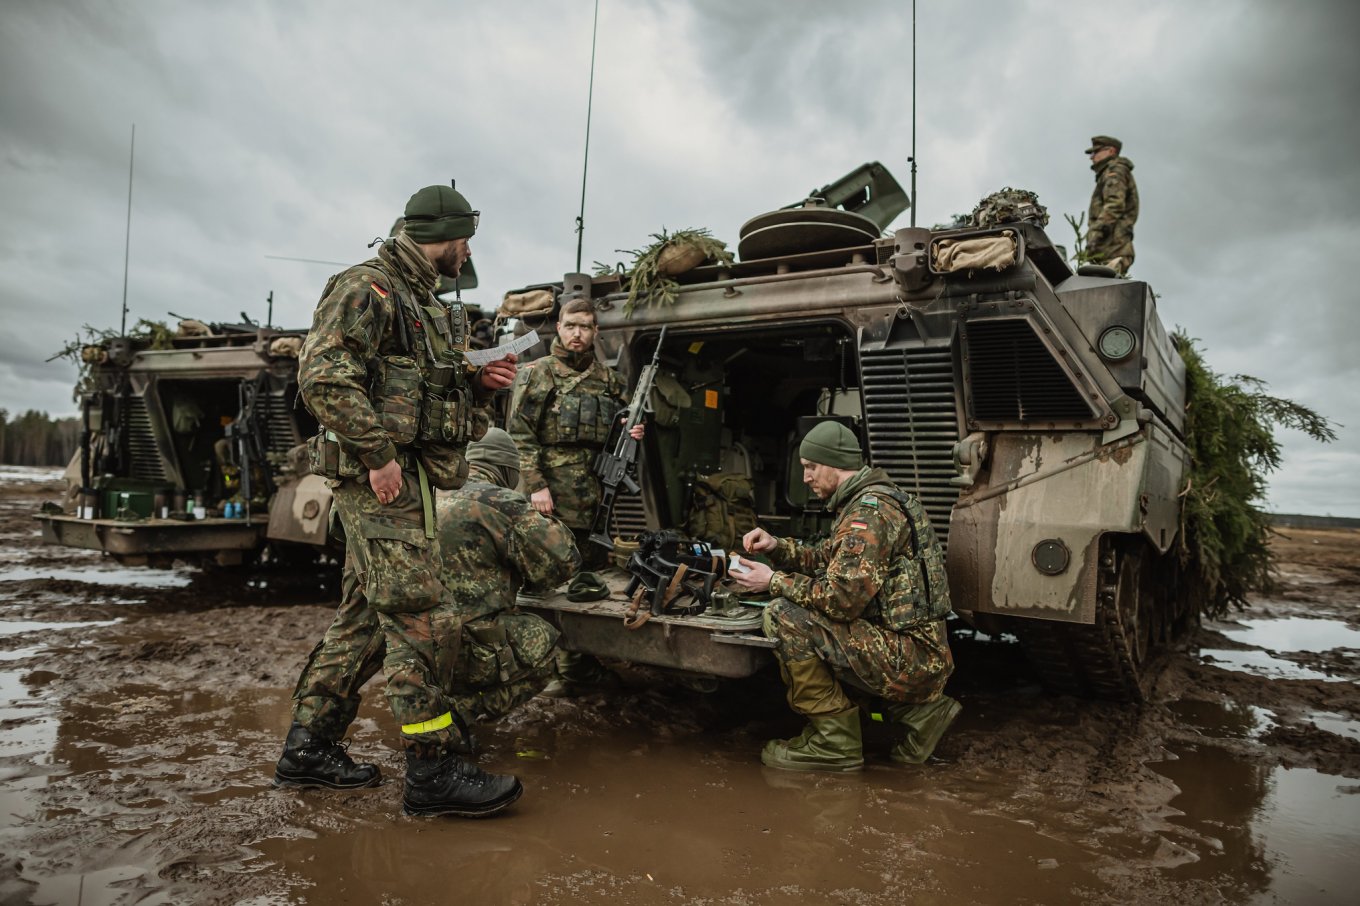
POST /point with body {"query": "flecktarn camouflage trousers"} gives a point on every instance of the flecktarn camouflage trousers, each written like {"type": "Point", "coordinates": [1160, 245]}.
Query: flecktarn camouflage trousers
{"type": "Point", "coordinates": [910, 666]}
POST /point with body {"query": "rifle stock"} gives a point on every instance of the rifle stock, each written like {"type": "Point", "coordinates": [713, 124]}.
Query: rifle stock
{"type": "Point", "coordinates": [617, 462]}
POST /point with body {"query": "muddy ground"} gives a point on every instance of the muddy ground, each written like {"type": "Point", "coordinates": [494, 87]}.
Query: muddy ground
{"type": "Point", "coordinates": [141, 713]}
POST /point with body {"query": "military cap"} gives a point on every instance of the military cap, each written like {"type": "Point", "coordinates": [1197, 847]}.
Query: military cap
{"type": "Point", "coordinates": [1105, 141]}
{"type": "Point", "coordinates": [832, 444]}
{"type": "Point", "coordinates": [439, 213]}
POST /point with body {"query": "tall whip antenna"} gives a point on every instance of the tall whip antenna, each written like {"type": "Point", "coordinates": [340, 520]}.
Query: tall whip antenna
{"type": "Point", "coordinates": [914, 205]}
{"type": "Point", "coordinates": [127, 234]}
{"type": "Point", "coordinates": [585, 164]}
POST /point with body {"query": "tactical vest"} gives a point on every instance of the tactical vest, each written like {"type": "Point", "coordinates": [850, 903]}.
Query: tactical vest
{"type": "Point", "coordinates": [420, 394]}
{"type": "Point", "coordinates": [916, 590]}
{"type": "Point", "coordinates": [582, 406]}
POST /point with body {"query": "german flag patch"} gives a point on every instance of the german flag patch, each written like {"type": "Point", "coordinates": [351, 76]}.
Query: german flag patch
{"type": "Point", "coordinates": [858, 526]}
{"type": "Point", "coordinates": [378, 289]}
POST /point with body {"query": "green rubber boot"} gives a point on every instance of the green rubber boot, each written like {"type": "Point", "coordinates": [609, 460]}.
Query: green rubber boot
{"type": "Point", "coordinates": [831, 743]}
{"type": "Point", "coordinates": [925, 725]}
{"type": "Point", "coordinates": [832, 740]}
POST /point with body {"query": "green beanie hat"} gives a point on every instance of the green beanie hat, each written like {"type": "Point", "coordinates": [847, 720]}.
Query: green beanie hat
{"type": "Point", "coordinates": [496, 452]}
{"type": "Point", "coordinates": [440, 213]}
{"type": "Point", "coordinates": [832, 444]}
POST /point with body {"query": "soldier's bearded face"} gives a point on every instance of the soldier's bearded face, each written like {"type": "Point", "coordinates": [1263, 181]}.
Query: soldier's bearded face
{"type": "Point", "coordinates": [577, 332]}
{"type": "Point", "coordinates": [450, 261]}
{"type": "Point", "coordinates": [820, 478]}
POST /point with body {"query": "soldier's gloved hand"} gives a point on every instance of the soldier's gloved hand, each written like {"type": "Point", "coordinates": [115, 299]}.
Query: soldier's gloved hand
{"type": "Point", "coordinates": [499, 374]}
{"type": "Point", "coordinates": [386, 482]}
{"type": "Point", "coordinates": [542, 501]}
{"type": "Point", "coordinates": [758, 541]}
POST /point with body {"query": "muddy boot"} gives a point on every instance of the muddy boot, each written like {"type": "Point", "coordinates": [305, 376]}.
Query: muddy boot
{"type": "Point", "coordinates": [309, 761]}
{"type": "Point", "coordinates": [577, 674]}
{"type": "Point", "coordinates": [444, 784]}
{"type": "Point", "coordinates": [830, 743]}
{"type": "Point", "coordinates": [832, 740]}
{"type": "Point", "coordinates": [925, 725]}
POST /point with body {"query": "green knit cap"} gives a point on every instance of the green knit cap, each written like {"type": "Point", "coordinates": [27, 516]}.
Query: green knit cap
{"type": "Point", "coordinates": [496, 453]}
{"type": "Point", "coordinates": [832, 444]}
{"type": "Point", "coordinates": [439, 213]}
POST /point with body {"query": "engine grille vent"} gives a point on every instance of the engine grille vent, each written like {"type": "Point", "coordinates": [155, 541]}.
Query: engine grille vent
{"type": "Point", "coordinates": [912, 423]}
{"type": "Point", "coordinates": [1013, 376]}
{"type": "Point", "coordinates": [141, 442]}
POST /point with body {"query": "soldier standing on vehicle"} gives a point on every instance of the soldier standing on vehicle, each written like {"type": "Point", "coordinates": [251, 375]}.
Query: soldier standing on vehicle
{"type": "Point", "coordinates": [494, 544]}
{"type": "Point", "coordinates": [1114, 206]}
{"type": "Point", "coordinates": [382, 370]}
{"type": "Point", "coordinates": [561, 413]}
{"type": "Point", "coordinates": [865, 607]}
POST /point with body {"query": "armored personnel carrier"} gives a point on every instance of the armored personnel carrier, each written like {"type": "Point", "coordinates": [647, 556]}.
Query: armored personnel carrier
{"type": "Point", "coordinates": [1036, 412]}
{"type": "Point", "coordinates": [187, 451]}
{"type": "Point", "coordinates": [191, 449]}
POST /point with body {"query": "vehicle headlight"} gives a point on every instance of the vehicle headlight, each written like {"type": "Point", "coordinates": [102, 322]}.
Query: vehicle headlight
{"type": "Point", "coordinates": [1117, 343]}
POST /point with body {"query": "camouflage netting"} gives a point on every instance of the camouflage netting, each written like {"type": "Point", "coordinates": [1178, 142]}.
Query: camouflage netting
{"type": "Point", "coordinates": [1009, 206]}
{"type": "Point", "coordinates": [91, 350]}
{"type": "Point", "coordinates": [1224, 552]}
{"type": "Point", "coordinates": [651, 277]}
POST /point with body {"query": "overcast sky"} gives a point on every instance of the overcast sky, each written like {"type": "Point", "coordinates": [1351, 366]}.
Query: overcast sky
{"type": "Point", "coordinates": [300, 128]}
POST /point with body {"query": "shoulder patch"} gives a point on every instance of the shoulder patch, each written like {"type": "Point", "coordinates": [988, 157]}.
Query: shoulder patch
{"type": "Point", "coordinates": [377, 289]}
{"type": "Point", "coordinates": [858, 526]}
{"type": "Point", "coordinates": [870, 500]}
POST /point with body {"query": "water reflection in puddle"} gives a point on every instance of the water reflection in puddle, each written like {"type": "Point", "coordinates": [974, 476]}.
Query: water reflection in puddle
{"type": "Point", "coordinates": [18, 627]}
{"type": "Point", "coordinates": [1278, 834]}
{"type": "Point", "coordinates": [101, 575]}
{"type": "Point", "coordinates": [1293, 634]}
{"type": "Point", "coordinates": [1336, 723]}
{"type": "Point", "coordinates": [1231, 720]}
{"type": "Point", "coordinates": [1263, 663]}
{"type": "Point", "coordinates": [1273, 636]}
{"type": "Point", "coordinates": [28, 474]}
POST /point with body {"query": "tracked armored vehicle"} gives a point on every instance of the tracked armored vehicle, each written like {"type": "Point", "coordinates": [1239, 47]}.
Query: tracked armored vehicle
{"type": "Point", "coordinates": [191, 450]}
{"type": "Point", "coordinates": [188, 451]}
{"type": "Point", "coordinates": [1037, 413]}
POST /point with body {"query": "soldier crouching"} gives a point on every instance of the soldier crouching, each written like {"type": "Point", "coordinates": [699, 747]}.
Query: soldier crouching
{"type": "Point", "coordinates": [865, 608]}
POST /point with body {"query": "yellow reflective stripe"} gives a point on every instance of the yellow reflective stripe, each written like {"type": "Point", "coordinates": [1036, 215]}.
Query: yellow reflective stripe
{"type": "Point", "coordinates": [429, 726]}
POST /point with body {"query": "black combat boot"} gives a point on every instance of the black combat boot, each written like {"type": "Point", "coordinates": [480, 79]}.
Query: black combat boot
{"type": "Point", "coordinates": [309, 760]}
{"type": "Point", "coordinates": [444, 784]}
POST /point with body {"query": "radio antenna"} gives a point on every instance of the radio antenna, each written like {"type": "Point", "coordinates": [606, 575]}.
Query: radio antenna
{"type": "Point", "coordinates": [914, 205]}
{"type": "Point", "coordinates": [127, 234]}
{"type": "Point", "coordinates": [585, 164]}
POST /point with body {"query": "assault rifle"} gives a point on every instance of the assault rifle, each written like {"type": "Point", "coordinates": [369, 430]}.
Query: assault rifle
{"type": "Point", "coordinates": [617, 462]}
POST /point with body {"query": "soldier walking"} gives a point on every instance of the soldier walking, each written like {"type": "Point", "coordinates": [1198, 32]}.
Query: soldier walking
{"type": "Point", "coordinates": [864, 608]}
{"type": "Point", "coordinates": [382, 370]}
{"type": "Point", "coordinates": [1114, 206]}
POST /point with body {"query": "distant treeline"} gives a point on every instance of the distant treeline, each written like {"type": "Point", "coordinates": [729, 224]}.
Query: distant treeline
{"type": "Point", "coordinates": [37, 439]}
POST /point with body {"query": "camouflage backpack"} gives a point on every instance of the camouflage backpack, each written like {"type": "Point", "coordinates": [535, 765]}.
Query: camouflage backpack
{"type": "Point", "coordinates": [722, 509]}
{"type": "Point", "coordinates": [1010, 206]}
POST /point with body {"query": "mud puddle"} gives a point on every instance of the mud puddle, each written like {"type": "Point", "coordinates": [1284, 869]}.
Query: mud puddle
{"type": "Point", "coordinates": [137, 746]}
{"type": "Point", "coordinates": [1285, 835]}
{"type": "Point", "coordinates": [99, 573]}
